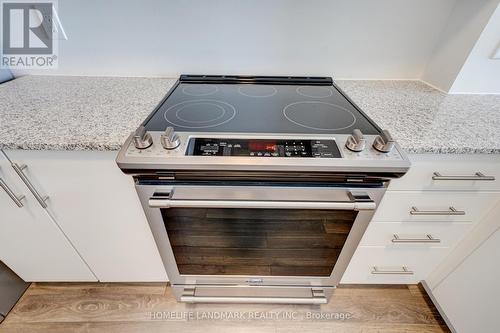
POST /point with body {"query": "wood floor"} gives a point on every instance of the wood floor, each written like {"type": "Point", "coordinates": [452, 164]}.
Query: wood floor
{"type": "Point", "coordinates": [117, 307]}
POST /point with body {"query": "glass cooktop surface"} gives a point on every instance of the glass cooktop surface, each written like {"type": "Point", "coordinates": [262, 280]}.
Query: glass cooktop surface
{"type": "Point", "coordinates": [258, 108]}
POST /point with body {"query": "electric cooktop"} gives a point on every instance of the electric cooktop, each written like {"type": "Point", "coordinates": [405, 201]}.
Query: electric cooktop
{"type": "Point", "coordinates": [263, 124]}
{"type": "Point", "coordinates": [198, 104]}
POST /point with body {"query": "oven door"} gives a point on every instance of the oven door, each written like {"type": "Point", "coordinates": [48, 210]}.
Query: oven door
{"type": "Point", "coordinates": [257, 235]}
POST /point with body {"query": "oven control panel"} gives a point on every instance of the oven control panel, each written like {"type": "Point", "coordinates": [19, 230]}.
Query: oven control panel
{"type": "Point", "coordinates": [263, 148]}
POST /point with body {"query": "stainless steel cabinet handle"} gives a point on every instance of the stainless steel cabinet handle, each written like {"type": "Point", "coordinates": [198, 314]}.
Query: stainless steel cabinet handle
{"type": "Point", "coordinates": [427, 239]}
{"type": "Point", "coordinates": [16, 198]}
{"type": "Point", "coordinates": [19, 170]}
{"type": "Point", "coordinates": [404, 271]}
{"type": "Point", "coordinates": [158, 202]}
{"type": "Point", "coordinates": [477, 176]}
{"type": "Point", "coordinates": [451, 211]}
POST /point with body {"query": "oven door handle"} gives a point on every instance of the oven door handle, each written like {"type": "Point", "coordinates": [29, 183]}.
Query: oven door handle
{"type": "Point", "coordinates": [162, 202]}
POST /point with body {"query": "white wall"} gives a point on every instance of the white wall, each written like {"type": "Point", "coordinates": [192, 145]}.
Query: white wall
{"type": "Point", "coordinates": [480, 73]}
{"type": "Point", "coordinates": [463, 28]}
{"type": "Point", "coordinates": [379, 39]}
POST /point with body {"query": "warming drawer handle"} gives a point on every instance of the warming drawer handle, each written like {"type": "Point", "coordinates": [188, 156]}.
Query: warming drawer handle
{"type": "Point", "coordinates": [404, 271]}
{"type": "Point", "coordinates": [16, 198]}
{"type": "Point", "coordinates": [274, 300]}
{"type": "Point", "coordinates": [155, 202]}
{"type": "Point", "coordinates": [426, 239]}
{"type": "Point", "coordinates": [451, 211]}
{"type": "Point", "coordinates": [317, 297]}
{"type": "Point", "coordinates": [477, 176]}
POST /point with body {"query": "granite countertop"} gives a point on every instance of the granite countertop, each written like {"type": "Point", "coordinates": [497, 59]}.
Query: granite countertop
{"type": "Point", "coordinates": [98, 113]}
{"type": "Point", "coordinates": [75, 112]}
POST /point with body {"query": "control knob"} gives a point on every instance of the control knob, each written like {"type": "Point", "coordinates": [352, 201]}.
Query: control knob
{"type": "Point", "coordinates": [384, 142]}
{"type": "Point", "coordinates": [142, 139]}
{"type": "Point", "coordinates": [170, 140]}
{"type": "Point", "coordinates": [356, 141]}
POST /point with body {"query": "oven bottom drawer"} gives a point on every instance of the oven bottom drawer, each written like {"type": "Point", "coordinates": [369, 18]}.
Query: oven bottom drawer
{"type": "Point", "coordinates": [392, 265]}
{"type": "Point", "coordinates": [252, 294]}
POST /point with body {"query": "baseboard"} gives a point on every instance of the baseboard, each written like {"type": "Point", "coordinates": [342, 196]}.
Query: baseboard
{"type": "Point", "coordinates": [438, 307]}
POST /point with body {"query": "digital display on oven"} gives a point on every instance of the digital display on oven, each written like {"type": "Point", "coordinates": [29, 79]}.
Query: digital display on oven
{"type": "Point", "coordinates": [263, 148]}
{"type": "Point", "coordinates": [258, 145]}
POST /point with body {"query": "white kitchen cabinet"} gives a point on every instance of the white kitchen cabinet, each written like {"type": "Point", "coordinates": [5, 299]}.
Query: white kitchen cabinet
{"type": "Point", "coordinates": [465, 286]}
{"type": "Point", "coordinates": [393, 264]}
{"type": "Point", "coordinates": [471, 198]}
{"type": "Point", "coordinates": [31, 244]}
{"type": "Point", "coordinates": [398, 206]}
{"type": "Point", "coordinates": [97, 207]}
{"type": "Point", "coordinates": [463, 169]}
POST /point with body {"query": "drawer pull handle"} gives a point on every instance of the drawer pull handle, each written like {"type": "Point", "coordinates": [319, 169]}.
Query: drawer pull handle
{"type": "Point", "coordinates": [40, 198]}
{"type": "Point", "coordinates": [404, 271]}
{"type": "Point", "coordinates": [477, 176]}
{"type": "Point", "coordinates": [16, 198]}
{"type": "Point", "coordinates": [427, 239]}
{"type": "Point", "coordinates": [451, 211]}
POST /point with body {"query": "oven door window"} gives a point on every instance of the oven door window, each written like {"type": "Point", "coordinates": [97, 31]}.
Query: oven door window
{"type": "Point", "coordinates": [263, 242]}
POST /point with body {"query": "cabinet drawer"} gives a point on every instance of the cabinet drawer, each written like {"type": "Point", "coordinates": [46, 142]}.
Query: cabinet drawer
{"type": "Point", "coordinates": [423, 234]}
{"type": "Point", "coordinates": [458, 172]}
{"type": "Point", "coordinates": [391, 261]}
{"type": "Point", "coordinates": [434, 206]}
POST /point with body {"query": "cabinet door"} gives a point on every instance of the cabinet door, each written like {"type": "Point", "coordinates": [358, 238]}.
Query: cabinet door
{"type": "Point", "coordinates": [466, 285]}
{"type": "Point", "coordinates": [470, 295]}
{"type": "Point", "coordinates": [97, 207]}
{"type": "Point", "coordinates": [31, 244]}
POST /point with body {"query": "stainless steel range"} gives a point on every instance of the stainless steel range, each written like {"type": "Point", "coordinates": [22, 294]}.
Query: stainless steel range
{"type": "Point", "coordinates": [259, 189]}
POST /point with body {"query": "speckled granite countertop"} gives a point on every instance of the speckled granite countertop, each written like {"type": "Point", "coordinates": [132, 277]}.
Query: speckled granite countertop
{"type": "Point", "coordinates": [425, 120]}
{"type": "Point", "coordinates": [98, 113]}
{"type": "Point", "coordinates": [75, 113]}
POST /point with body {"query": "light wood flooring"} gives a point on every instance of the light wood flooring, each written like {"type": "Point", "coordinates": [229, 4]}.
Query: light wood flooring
{"type": "Point", "coordinates": [121, 307]}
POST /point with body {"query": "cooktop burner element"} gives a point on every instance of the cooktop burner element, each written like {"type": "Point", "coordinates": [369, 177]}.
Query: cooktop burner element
{"type": "Point", "coordinates": [321, 116]}
{"type": "Point", "coordinates": [257, 91]}
{"type": "Point", "coordinates": [314, 92]}
{"type": "Point", "coordinates": [201, 113]}
{"type": "Point", "coordinates": [199, 89]}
